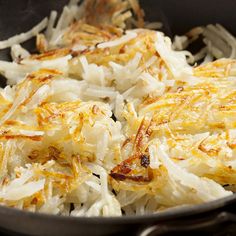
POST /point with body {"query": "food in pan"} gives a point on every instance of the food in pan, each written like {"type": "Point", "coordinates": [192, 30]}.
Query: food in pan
{"type": "Point", "coordinates": [111, 118]}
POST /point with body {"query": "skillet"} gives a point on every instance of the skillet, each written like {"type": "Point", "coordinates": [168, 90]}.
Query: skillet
{"type": "Point", "coordinates": [215, 217]}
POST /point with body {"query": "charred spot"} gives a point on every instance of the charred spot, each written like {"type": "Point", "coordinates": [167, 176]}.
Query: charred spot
{"type": "Point", "coordinates": [132, 169]}
{"type": "Point", "coordinates": [135, 178]}
{"type": "Point", "coordinates": [139, 178]}
{"type": "Point", "coordinates": [144, 160]}
{"type": "Point", "coordinates": [125, 169]}
{"type": "Point", "coordinates": [118, 176]}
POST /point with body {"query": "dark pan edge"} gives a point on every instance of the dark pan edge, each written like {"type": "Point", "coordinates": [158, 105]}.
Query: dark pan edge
{"type": "Point", "coordinates": [176, 212]}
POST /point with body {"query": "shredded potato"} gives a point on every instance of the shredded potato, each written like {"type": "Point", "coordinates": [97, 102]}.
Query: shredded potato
{"type": "Point", "coordinates": [108, 119]}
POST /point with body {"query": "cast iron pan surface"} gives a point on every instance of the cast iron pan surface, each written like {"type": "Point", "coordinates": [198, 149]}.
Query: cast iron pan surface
{"type": "Point", "coordinates": [214, 218]}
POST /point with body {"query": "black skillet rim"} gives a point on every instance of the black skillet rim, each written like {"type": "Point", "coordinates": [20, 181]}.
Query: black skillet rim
{"type": "Point", "coordinates": [170, 214]}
